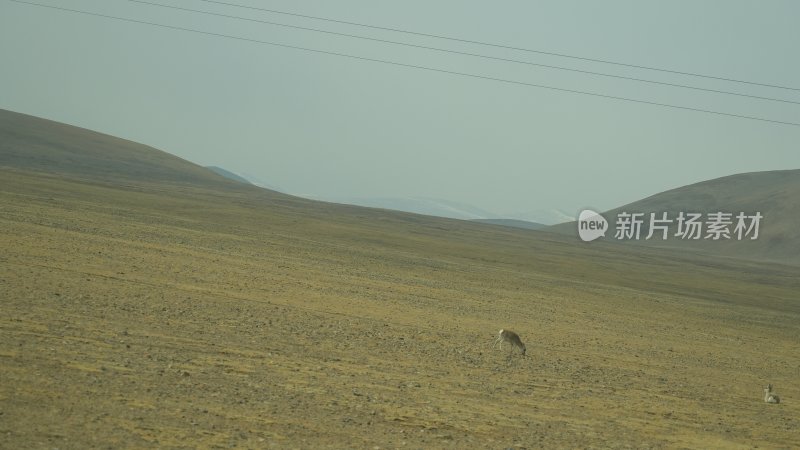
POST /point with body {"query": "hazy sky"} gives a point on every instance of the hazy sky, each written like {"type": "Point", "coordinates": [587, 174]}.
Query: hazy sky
{"type": "Point", "coordinates": [331, 126]}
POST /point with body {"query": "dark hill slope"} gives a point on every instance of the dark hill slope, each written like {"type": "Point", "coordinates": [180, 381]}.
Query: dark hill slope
{"type": "Point", "coordinates": [775, 194]}
{"type": "Point", "coordinates": [39, 145]}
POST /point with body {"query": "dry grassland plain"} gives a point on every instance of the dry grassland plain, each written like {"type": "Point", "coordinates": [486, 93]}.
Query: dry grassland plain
{"type": "Point", "coordinates": [140, 315]}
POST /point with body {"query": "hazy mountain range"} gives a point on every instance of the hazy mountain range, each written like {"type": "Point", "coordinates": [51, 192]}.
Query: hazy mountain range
{"type": "Point", "coordinates": [453, 210]}
{"type": "Point", "coordinates": [429, 206]}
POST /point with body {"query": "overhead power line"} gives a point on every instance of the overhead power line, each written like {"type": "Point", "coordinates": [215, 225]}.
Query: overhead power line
{"type": "Point", "coordinates": [266, 22]}
{"type": "Point", "coordinates": [412, 66]}
{"type": "Point", "coordinates": [508, 47]}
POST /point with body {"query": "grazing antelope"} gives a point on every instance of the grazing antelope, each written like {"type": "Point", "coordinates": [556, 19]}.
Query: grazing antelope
{"type": "Point", "coordinates": [510, 337]}
{"type": "Point", "coordinates": [769, 396]}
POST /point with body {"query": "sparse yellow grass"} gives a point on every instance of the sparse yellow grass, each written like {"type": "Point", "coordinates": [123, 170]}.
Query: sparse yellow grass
{"type": "Point", "coordinates": [172, 316]}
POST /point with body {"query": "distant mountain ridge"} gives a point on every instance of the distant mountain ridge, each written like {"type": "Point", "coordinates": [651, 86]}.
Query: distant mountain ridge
{"type": "Point", "coordinates": [227, 174]}
{"type": "Point", "coordinates": [453, 210]}
{"type": "Point", "coordinates": [244, 178]}
{"type": "Point", "coordinates": [543, 216]}
{"type": "Point", "coordinates": [257, 181]}
{"type": "Point", "coordinates": [514, 223]}
{"type": "Point", "coordinates": [418, 205]}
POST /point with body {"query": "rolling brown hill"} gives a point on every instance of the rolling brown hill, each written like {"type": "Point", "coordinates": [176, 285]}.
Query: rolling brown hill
{"type": "Point", "coordinates": [775, 194]}
{"type": "Point", "coordinates": [40, 145]}
{"type": "Point", "coordinates": [179, 310]}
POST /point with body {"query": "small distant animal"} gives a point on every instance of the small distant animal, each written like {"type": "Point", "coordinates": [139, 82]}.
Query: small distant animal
{"type": "Point", "coordinates": [769, 396]}
{"type": "Point", "coordinates": [510, 337]}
